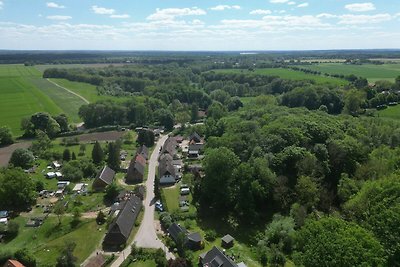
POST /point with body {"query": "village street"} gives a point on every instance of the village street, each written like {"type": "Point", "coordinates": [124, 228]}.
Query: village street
{"type": "Point", "coordinates": [146, 236]}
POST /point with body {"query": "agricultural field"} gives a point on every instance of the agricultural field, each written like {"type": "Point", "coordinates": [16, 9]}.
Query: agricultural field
{"type": "Point", "coordinates": [370, 71]}
{"type": "Point", "coordinates": [23, 92]}
{"type": "Point", "coordinates": [42, 68]}
{"type": "Point", "coordinates": [289, 74]}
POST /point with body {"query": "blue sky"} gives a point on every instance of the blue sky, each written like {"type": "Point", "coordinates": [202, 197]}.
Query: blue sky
{"type": "Point", "coordinates": [199, 25]}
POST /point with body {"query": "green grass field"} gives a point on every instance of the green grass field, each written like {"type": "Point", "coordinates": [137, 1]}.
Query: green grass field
{"type": "Point", "coordinates": [390, 113]}
{"type": "Point", "coordinates": [172, 197]}
{"type": "Point", "coordinates": [88, 91]}
{"type": "Point", "coordinates": [372, 72]}
{"type": "Point", "coordinates": [47, 241]}
{"type": "Point", "coordinates": [289, 74]}
{"type": "Point", "coordinates": [23, 92]}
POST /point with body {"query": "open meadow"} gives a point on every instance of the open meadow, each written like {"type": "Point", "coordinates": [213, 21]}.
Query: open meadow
{"type": "Point", "coordinates": [370, 71]}
{"type": "Point", "coordinates": [288, 74]}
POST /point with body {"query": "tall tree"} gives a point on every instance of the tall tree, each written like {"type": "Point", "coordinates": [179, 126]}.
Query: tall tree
{"type": "Point", "coordinates": [97, 153]}
{"type": "Point", "coordinates": [114, 160]}
{"type": "Point", "coordinates": [194, 113]}
{"type": "Point", "coordinates": [6, 137]}
{"type": "Point", "coordinates": [23, 158]}
{"type": "Point", "coordinates": [67, 155]}
{"type": "Point", "coordinates": [17, 190]}
{"type": "Point", "coordinates": [334, 242]}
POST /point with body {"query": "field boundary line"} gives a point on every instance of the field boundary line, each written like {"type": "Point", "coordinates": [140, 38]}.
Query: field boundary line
{"type": "Point", "coordinates": [72, 92]}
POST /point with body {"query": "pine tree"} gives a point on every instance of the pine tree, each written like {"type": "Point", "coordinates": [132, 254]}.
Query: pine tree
{"type": "Point", "coordinates": [67, 155]}
{"type": "Point", "coordinates": [73, 156]}
{"type": "Point", "coordinates": [114, 160]}
{"type": "Point", "coordinates": [97, 153]}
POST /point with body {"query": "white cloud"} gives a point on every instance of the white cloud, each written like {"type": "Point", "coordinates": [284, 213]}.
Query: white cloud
{"type": "Point", "coordinates": [59, 17]}
{"type": "Point", "coordinates": [326, 16]}
{"type": "Point", "coordinates": [364, 19]}
{"type": "Point", "coordinates": [1, 5]}
{"type": "Point", "coordinates": [278, 1]}
{"type": "Point", "coordinates": [54, 5]}
{"type": "Point", "coordinates": [172, 13]}
{"type": "Point", "coordinates": [260, 12]}
{"type": "Point", "coordinates": [122, 16]}
{"type": "Point", "coordinates": [303, 5]}
{"type": "Point", "coordinates": [360, 7]}
{"type": "Point", "coordinates": [291, 3]}
{"type": "Point", "coordinates": [223, 7]}
{"type": "Point", "coordinates": [103, 10]}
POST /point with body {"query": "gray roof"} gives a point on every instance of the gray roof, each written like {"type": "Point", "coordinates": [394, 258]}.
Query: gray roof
{"type": "Point", "coordinates": [126, 218]}
{"type": "Point", "coordinates": [106, 174]}
{"type": "Point", "coordinates": [196, 147]}
{"type": "Point", "coordinates": [228, 238]}
{"type": "Point", "coordinates": [144, 151]}
{"type": "Point", "coordinates": [166, 166]}
{"type": "Point", "coordinates": [169, 146]}
{"type": "Point", "coordinates": [195, 237]}
{"type": "Point", "coordinates": [195, 137]}
{"type": "Point", "coordinates": [216, 258]}
{"type": "Point", "coordinates": [175, 229]}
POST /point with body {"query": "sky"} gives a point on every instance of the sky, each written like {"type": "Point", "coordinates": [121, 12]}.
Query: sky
{"type": "Point", "coordinates": [200, 25]}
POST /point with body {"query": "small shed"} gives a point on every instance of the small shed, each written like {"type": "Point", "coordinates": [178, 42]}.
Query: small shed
{"type": "Point", "coordinates": [227, 241]}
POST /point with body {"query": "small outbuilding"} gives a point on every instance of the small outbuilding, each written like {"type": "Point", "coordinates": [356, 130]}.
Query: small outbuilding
{"type": "Point", "coordinates": [104, 178]}
{"type": "Point", "coordinates": [227, 241]}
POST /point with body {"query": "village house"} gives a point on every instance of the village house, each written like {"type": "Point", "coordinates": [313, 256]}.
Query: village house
{"type": "Point", "coordinates": [192, 241]}
{"type": "Point", "coordinates": [143, 151]}
{"type": "Point", "coordinates": [215, 257]}
{"type": "Point", "coordinates": [195, 138]}
{"type": "Point", "coordinates": [104, 178]}
{"type": "Point", "coordinates": [119, 231]}
{"type": "Point", "coordinates": [166, 170]}
{"type": "Point", "coordinates": [13, 263]}
{"type": "Point", "coordinates": [136, 170]}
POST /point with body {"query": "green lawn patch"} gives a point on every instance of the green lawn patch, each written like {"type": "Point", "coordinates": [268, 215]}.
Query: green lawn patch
{"type": "Point", "coordinates": [148, 263]}
{"type": "Point", "coordinates": [172, 197]}
{"type": "Point", "coordinates": [390, 113]}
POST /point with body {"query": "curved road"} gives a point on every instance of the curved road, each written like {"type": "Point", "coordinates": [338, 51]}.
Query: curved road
{"type": "Point", "coordinates": [146, 237]}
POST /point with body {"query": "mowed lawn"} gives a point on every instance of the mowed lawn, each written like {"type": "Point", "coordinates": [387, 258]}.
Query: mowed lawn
{"type": "Point", "coordinates": [390, 113]}
{"type": "Point", "coordinates": [288, 74]}
{"type": "Point", "coordinates": [370, 71]}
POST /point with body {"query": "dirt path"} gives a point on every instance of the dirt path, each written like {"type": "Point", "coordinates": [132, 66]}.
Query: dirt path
{"type": "Point", "coordinates": [6, 152]}
{"type": "Point", "coordinates": [81, 97]}
{"type": "Point", "coordinates": [147, 235]}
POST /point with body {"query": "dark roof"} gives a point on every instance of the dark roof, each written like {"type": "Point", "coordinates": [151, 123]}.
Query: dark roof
{"type": "Point", "coordinates": [127, 217]}
{"type": "Point", "coordinates": [195, 137]}
{"type": "Point", "coordinates": [137, 164]}
{"type": "Point", "coordinates": [175, 229]}
{"type": "Point", "coordinates": [194, 237]}
{"type": "Point", "coordinates": [106, 174]}
{"type": "Point", "coordinates": [196, 147]}
{"type": "Point", "coordinates": [227, 239]}
{"type": "Point", "coordinates": [96, 261]}
{"type": "Point", "coordinates": [144, 151]}
{"type": "Point", "coordinates": [141, 159]}
{"type": "Point", "coordinates": [169, 146]}
{"type": "Point", "coordinates": [166, 167]}
{"type": "Point", "coordinates": [215, 258]}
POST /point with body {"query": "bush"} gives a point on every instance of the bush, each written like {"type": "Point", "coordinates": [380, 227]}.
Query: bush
{"type": "Point", "coordinates": [101, 218]}
{"type": "Point", "coordinates": [25, 258]}
{"type": "Point", "coordinates": [12, 229]}
{"type": "Point", "coordinates": [210, 235]}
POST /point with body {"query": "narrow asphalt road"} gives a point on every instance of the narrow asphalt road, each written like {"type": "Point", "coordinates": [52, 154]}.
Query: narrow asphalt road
{"type": "Point", "coordinates": [81, 97]}
{"type": "Point", "coordinates": [146, 237]}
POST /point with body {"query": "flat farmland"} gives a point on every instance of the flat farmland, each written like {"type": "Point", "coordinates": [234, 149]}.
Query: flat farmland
{"type": "Point", "coordinates": [370, 71]}
{"type": "Point", "coordinates": [24, 92]}
{"type": "Point", "coordinates": [288, 74]}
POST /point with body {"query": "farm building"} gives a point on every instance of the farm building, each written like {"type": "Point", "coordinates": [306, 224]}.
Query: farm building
{"type": "Point", "coordinates": [136, 170]}
{"type": "Point", "coordinates": [104, 178]}
{"type": "Point", "coordinates": [120, 229]}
